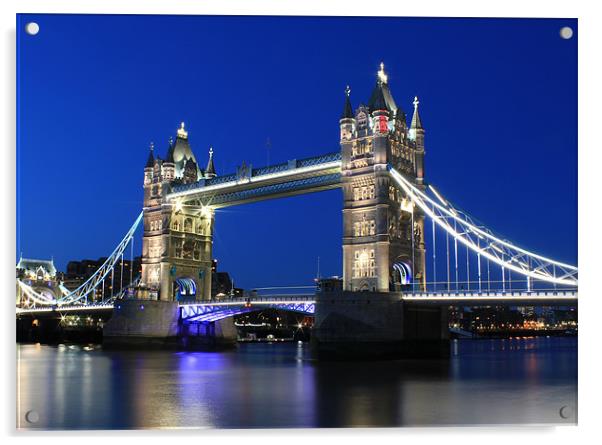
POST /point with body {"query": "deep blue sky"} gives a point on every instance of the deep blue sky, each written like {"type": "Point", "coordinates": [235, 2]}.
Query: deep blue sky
{"type": "Point", "coordinates": [498, 100]}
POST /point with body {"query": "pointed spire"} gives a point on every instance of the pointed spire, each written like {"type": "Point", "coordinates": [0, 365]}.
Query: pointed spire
{"type": "Point", "coordinates": [150, 162]}
{"type": "Point", "coordinates": [382, 76]}
{"type": "Point", "coordinates": [182, 133]}
{"type": "Point", "coordinates": [416, 121]}
{"type": "Point", "coordinates": [210, 172]}
{"type": "Point", "coordinates": [347, 109]}
{"type": "Point", "coordinates": [170, 151]}
{"type": "Point", "coordinates": [381, 98]}
{"type": "Point", "coordinates": [377, 101]}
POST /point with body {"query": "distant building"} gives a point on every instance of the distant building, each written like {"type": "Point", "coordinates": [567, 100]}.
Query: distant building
{"type": "Point", "coordinates": [222, 285]}
{"type": "Point", "coordinates": [41, 275]}
{"type": "Point", "coordinates": [79, 271]}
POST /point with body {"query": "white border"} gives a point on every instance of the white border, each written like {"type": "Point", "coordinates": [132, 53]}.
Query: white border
{"type": "Point", "coordinates": [590, 147]}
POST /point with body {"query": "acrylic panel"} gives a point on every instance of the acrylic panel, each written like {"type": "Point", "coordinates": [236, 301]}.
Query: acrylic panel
{"type": "Point", "coordinates": [295, 222]}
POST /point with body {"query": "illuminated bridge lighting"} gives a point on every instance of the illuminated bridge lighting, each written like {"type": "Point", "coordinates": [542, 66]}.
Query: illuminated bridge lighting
{"type": "Point", "coordinates": [205, 312]}
{"type": "Point", "coordinates": [321, 173]}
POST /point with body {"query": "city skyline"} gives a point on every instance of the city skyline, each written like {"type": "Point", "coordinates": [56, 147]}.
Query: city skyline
{"type": "Point", "coordinates": [299, 120]}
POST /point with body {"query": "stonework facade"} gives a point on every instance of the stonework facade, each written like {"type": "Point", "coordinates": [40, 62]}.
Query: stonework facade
{"type": "Point", "coordinates": [383, 246]}
{"type": "Point", "coordinates": [178, 238]}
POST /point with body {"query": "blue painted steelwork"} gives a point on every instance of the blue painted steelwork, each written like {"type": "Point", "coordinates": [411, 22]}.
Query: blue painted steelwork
{"type": "Point", "coordinates": [284, 187]}
{"type": "Point", "coordinates": [257, 172]}
{"type": "Point", "coordinates": [323, 159]}
{"type": "Point", "coordinates": [270, 169]}
{"type": "Point", "coordinates": [214, 312]}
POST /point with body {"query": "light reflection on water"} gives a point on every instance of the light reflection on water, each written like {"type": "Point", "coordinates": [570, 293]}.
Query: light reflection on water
{"type": "Point", "coordinates": [278, 385]}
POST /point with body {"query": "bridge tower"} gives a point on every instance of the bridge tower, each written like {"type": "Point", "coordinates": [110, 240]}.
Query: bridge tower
{"type": "Point", "coordinates": [383, 244]}
{"type": "Point", "coordinates": [178, 238]}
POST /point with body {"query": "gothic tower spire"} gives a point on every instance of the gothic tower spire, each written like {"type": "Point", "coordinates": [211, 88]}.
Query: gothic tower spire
{"type": "Point", "coordinates": [381, 98]}
{"type": "Point", "coordinates": [150, 162]}
{"type": "Point", "coordinates": [210, 172]}
{"type": "Point", "coordinates": [416, 121]}
{"type": "Point", "coordinates": [347, 109]}
{"type": "Point", "coordinates": [170, 149]}
{"type": "Point", "coordinates": [417, 135]}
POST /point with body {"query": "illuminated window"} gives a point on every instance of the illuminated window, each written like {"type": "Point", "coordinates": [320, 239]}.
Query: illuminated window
{"type": "Point", "coordinates": [178, 249]}
{"type": "Point", "coordinates": [176, 225]}
{"type": "Point", "coordinates": [364, 192]}
{"type": "Point", "coordinates": [364, 228]}
{"type": "Point", "coordinates": [155, 225]}
{"type": "Point", "coordinates": [364, 264]}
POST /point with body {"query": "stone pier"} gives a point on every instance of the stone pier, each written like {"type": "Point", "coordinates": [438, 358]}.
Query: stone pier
{"type": "Point", "coordinates": [155, 323]}
{"type": "Point", "coordinates": [376, 325]}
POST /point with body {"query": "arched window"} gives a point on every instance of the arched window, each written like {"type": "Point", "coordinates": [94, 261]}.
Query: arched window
{"type": "Point", "coordinates": [188, 225]}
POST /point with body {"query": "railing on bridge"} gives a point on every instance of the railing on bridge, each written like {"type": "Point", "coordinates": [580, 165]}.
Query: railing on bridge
{"type": "Point", "coordinates": [217, 310]}
{"type": "Point", "coordinates": [489, 268]}
{"type": "Point", "coordinates": [290, 176]}
{"type": "Point", "coordinates": [87, 292]}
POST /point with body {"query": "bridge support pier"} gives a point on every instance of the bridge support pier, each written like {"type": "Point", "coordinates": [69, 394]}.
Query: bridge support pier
{"type": "Point", "coordinates": [376, 325]}
{"type": "Point", "coordinates": [143, 323]}
{"type": "Point", "coordinates": [220, 334]}
{"type": "Point", "coordinates": [156, 323]}
{"type": "Point", "coordinates": [425, 331]}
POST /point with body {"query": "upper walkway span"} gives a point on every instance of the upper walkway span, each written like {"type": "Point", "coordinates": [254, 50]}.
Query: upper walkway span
{"type": "Point", "coordinates": [249, 185]}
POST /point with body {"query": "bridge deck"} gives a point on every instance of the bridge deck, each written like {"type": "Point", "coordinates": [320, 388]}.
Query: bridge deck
{"type": "Point", "coordinates": [303, 302]}
{"type": "Point", "coordinates": [493, 298]}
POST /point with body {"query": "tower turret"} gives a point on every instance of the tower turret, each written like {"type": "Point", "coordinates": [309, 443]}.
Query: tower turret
{"type": "Point", "coordinates": [148, 168]}
{"type": "Point", "coordinates": [182, 151]}
{"type": "Point", "coordinates": [210, 172]}
{"type": "Point", "coordinates": [169, 166]}
{"type": "Point", "coordinates": [417, 135]}
{"type": "Point", "coordinates": [381, 105]}
{"type": "Point", "coordinates": [347, 121]}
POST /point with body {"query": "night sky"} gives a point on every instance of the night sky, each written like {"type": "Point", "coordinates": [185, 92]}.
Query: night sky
{"type": "Point", "coordinates": [498, 100]}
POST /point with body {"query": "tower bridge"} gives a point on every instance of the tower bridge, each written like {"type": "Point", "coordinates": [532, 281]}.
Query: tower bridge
{"type": "Point", "coordinates": [388, 207]}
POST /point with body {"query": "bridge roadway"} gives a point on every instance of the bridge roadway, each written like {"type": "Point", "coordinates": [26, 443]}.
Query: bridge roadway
{"type": "Point", "coordinates": [305, 303]}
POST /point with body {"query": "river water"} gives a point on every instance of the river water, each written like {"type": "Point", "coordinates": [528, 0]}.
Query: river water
{"type": "Point", "coordinates": [513, 381]}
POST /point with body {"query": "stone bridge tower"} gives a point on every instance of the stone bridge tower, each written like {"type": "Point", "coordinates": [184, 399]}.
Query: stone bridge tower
{"type": "Point", "coordinates": [178, 237]}
{"type": "Point", "coordinates": [383, 244]}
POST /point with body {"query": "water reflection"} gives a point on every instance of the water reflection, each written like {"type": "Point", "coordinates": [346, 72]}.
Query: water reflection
{"type": "Point", "coordinates": [264, 385]}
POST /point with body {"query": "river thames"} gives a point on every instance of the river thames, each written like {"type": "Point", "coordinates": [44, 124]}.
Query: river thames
{"type": "Point", "coordinates": [260, 385]}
